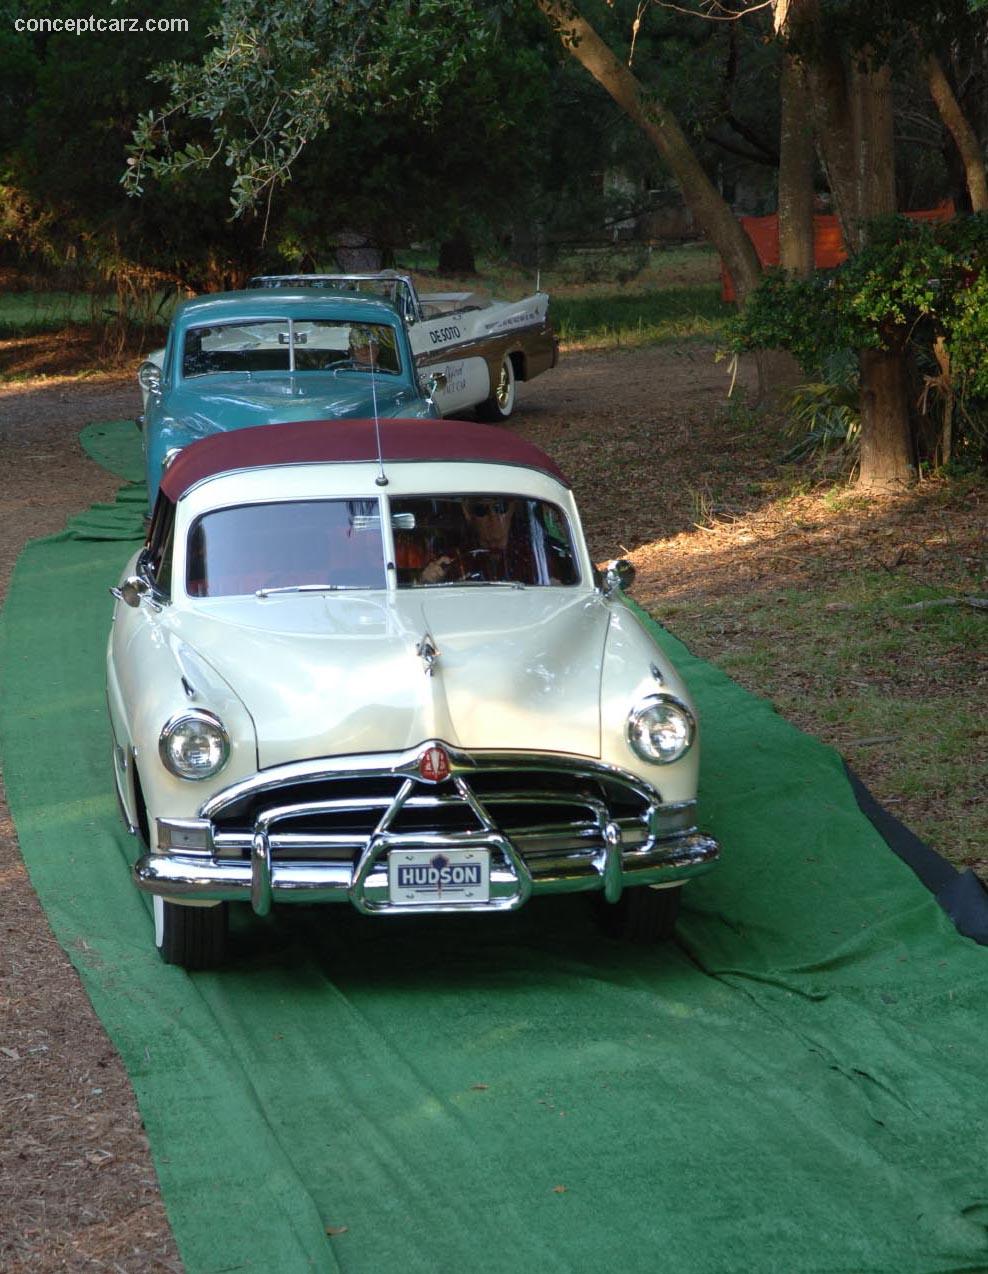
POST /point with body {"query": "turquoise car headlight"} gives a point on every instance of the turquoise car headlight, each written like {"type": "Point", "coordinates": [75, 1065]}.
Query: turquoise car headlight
{"type": "Point", "coordinates": [661, 729]}
{"type": "Point", "coordinates": [194, 745]}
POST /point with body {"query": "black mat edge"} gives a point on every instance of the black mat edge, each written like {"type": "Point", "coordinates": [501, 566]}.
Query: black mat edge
{"type": "Point", "coordinates": [960, 893]}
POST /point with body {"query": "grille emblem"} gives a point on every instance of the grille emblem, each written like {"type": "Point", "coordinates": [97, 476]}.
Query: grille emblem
{"type": "Point", "coordinates": [434, 765]}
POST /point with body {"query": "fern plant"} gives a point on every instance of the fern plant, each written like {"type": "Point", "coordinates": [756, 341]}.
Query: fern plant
{"type": "Point", "coordinates": [825, 413]}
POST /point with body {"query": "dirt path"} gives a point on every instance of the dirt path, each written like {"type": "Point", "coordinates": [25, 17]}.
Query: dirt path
{"type": "Point", "coordinates": [653, 458]}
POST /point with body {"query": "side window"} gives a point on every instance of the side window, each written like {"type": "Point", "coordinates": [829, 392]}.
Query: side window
{"type": "Point", "coordinates": [157, 556]}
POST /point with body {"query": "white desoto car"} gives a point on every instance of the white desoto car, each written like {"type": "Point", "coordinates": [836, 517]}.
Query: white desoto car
{"type": "Point", "coordinates": [371, 662]}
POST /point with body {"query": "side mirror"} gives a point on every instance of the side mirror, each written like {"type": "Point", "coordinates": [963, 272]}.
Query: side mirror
{"type": "Point", "coordinates": [149, 377]}
{"type": "Point", "coordinates": [618, 573]}
{"type": "Point", "coordinates": [132, 591]}
{"type": "Point", "coordinates": [436, 381]}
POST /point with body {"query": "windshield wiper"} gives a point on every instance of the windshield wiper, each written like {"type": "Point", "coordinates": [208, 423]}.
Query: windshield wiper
{"type": "Point", "coordinates": [310, 588]}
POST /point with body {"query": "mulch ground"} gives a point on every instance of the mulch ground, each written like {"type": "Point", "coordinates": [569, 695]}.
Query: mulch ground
{"type": "Point", "coordinates": [661, 475]}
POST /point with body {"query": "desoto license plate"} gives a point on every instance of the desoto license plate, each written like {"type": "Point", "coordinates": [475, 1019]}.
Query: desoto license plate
{"type": "Point", "coordinates": [419, 877]}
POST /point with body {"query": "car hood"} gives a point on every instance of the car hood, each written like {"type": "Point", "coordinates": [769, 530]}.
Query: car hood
{"type": "Point", "coordinates": [337, 674]}
{"type": "Point", "coordinates": [230, 402]}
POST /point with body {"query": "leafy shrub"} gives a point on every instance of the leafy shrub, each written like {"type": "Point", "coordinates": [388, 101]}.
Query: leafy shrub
{"type": "Point", "coordinates": [916, 288]}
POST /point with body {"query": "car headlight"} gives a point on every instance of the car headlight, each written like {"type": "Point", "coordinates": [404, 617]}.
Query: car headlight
{"type": "Point", "coordinates": [661, 729]}
{"type": "Point", "coordinates": [149, 376]}
{"type": "Point", "coordinates": [194, 745]}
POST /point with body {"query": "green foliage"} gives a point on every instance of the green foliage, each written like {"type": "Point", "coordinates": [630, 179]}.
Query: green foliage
{"type": "Point", "coordinates": [280, 74]}
{"type": "Point", "coordinates": [913, 288]}
{"type": "Point", "coordinates": [825, 413]}
{"type": "Point", "coordinates": [913, 281]}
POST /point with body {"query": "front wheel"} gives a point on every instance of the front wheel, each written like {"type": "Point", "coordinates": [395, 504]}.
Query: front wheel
{"type": "Point", "coordinates": [501, 403]}
{"type": "Point", "coordinates": [641, 914]}
{"type": "Point", "coordinates": [193, 937]}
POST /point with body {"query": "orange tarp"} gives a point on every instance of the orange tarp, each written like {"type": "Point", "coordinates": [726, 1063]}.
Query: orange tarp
{"type": "Point", "coordinates": [828, 244]}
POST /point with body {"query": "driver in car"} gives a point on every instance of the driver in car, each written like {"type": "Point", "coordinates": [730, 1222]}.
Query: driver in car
{"type": "Point", "coordinates": [490, 551]}
{"type": "Point", "coordinates": [364, 347]}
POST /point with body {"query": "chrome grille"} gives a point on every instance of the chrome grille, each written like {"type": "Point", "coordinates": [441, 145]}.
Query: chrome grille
{"type": "Point", "coordinates": [331, 817]}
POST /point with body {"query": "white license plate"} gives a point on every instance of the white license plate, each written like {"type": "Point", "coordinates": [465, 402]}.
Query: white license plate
{"type": "Point", "coordinates": [420, 877]}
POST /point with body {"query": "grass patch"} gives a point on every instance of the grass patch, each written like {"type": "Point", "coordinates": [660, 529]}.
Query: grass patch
{"type": "Point", "coordinates": [28, 313]}
{"type": "Point", "coordinates": [641, 318]}
{"type": "Point", "coordinates": [606, 297]}
{"type": "Point", "coordinates": [33, 313]}
{"type": "Point", "coordinates": [859, 668]}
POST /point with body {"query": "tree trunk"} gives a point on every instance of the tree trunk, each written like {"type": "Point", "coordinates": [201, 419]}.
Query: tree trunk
{"type": "Point", "coordinates": [853, 118]}
{"type": "Point", "coordinates": [357, 254]}
{"type": "Point", "coordinates": [874, 141]}
{"type": "Point", "coordinates": [661, 128]}
{"type": "Point", "coordinates": [965, 138]}
{"type": "Point", "coordinates": [886, 450]}
{"type": "Point", "coordinates": [796, 160]}
{"type": "Point", "coordinates": [835, 135]}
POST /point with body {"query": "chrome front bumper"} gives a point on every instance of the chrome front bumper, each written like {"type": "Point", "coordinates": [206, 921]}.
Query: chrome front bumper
{"type": "Point", "coordinates": [197, 859]}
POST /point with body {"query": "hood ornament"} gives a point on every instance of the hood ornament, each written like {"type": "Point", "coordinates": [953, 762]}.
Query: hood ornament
{"type": "Point", "coordinates": [434, 764]}
{"type": "Point", "coordinates": [428, 652]}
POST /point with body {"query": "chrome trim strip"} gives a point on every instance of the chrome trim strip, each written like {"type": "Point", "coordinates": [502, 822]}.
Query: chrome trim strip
{"type": "Point", "coordinates": [535, 840]}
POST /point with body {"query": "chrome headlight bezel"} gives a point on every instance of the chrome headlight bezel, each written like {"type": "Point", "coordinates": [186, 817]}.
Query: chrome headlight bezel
{"type": "Point", "coordinates": [204, 721]}
{"type": "Point", "coordinates": [635, 734]}
{"type": "Point", "coordinates": [149, 376]}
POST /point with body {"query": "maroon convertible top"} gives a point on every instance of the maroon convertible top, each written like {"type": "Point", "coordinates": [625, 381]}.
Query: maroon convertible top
{"type": "Point", "coordinates": [341, 441]}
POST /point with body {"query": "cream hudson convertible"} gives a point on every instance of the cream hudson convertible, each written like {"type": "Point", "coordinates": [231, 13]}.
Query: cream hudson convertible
{"type": "Point", "coordinates": [374, 664]}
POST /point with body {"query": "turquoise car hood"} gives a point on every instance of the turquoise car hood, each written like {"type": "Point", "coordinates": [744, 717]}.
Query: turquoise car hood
{"type": "Point", "coordinates": [216, 404]}
{"type": "Point", "coordinates": [230, 402]}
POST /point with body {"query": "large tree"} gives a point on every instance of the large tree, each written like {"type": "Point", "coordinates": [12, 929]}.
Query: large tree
{"type": "Point", "coordinates": [421, 119]}
{"type": "Point", "coordinates": [663, 130]}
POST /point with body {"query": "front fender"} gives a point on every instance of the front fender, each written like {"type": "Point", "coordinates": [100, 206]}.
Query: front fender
{"type": "Point", "coordinates": [152, 676]}
{"type": "Point", "coordinates": [631, 660]}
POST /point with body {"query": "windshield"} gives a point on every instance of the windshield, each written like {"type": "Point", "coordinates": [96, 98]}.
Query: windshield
{"type": "Point", "coordinates": [291, 345]}
{"type": "Point", "coordinates": [481, 539]}
{"type": "Point", "coordinates": [328, 545]}
{"type": "Point", "coordinates": [297, 544]}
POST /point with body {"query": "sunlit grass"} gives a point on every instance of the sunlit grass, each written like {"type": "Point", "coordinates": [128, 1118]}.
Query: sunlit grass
{"type": "Point", "coordinates": [27, 313]}
{"type": "Point", "coordinates": [850, 663]}
{"type": "Point", "coordinates": [34, 312]}
{"type": "Point", "coordinates": [635, 318]}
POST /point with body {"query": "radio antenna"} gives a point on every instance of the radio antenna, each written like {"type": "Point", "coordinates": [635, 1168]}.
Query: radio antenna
{"type": "Point", "coordinates": [382, 478]}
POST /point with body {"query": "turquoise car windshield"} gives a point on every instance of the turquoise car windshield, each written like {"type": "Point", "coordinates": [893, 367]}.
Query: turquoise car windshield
{"type": "Point", "coordinates": [291, 345]}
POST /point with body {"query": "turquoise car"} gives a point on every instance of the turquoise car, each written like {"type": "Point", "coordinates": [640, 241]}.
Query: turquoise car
{"type": "Point", "coordinates": [262, 357]}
